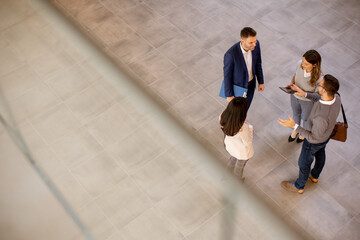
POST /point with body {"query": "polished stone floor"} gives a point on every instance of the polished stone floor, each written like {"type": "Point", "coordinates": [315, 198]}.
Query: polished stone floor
{"type": "Point", "coordinates": [86, 135]}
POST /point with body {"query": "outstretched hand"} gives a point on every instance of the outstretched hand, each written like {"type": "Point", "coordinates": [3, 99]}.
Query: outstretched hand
{"type": "Point", "coordinates": [287, 123]}
{"type": "Point", "coordinates": [299, 91]}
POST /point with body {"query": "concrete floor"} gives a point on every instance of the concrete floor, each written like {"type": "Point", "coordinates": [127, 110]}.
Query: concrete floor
{"type": "Point", "coordinates": [86, 135]}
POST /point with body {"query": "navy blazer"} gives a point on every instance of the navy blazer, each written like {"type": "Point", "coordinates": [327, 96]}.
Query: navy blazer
{"type": "Point", "coordinates": [235, 70]}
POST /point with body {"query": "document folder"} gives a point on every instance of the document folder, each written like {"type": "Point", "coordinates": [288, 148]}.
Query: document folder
{"type": "Point", "coordinates": [238, 91]}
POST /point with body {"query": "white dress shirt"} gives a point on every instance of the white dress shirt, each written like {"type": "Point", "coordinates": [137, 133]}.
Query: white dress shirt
{"type": "Point", "coordinates": [248, 60]}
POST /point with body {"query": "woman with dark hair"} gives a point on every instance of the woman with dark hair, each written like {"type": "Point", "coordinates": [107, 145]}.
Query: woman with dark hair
{"type": "Point", "coordinates": [307, 76]}
{"type": "Point", "coordinates": [238, 135]}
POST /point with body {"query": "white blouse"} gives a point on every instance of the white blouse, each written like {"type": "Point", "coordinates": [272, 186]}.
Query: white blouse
{"type": "Point", "coordinates": [240, 145]}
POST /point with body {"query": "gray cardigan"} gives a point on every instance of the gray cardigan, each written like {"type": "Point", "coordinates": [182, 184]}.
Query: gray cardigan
{"type": "Point", "coordinates": [321, 120]}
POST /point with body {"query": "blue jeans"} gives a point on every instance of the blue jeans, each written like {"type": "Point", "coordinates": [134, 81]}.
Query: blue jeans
{"type": "Point", "coordinates": [308, 152]}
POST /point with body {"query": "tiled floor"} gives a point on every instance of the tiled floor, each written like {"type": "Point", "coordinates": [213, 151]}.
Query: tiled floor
{"type": "Point", "coordinates": [87, 136]}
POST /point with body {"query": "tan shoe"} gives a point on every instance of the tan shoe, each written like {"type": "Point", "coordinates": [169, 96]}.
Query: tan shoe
{"type": "Point", "coordinates": [314, 180]}
{"type": "Point", "coordinates": [290, 186]}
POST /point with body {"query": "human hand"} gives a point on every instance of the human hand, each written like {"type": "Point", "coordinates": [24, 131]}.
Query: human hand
{"type": "Point", "coordinates": [287, 123]}
{"type": "Point", "coordinates": [230, 98]}
{"type": "Point", "coordinates": [261, 87]}
{"type": "Point", "coordinates": [299, 91]}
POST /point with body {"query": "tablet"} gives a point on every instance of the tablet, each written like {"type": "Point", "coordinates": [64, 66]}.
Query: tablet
{"type": "Point", "coordinates": [287, 90]}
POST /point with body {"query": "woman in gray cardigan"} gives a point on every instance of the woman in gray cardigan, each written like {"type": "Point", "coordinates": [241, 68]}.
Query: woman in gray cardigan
{"type": "Point", "coordinates": [307, 76]}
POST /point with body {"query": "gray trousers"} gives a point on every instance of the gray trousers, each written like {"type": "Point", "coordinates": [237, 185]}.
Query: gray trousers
{"type": "Point", "coordinates": [237, 166]}
{"type": "Point", "coordinates": [301, 110]}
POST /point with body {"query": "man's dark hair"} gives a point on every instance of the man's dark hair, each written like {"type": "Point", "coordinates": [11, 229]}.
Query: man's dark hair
{"type": "Point", "coordinates": [331, 84]}
{"type": "Point", "coordinates": [247, 32]}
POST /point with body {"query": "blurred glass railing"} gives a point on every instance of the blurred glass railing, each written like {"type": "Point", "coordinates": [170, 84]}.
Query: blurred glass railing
{"type": "Point", "coordinates": [131, 105]}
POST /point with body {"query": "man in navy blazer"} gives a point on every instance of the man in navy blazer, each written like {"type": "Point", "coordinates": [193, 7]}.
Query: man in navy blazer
{"type": "Point", "coordinates": [242, 63]}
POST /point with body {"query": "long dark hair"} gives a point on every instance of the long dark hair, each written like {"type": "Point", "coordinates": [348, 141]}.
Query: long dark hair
{"type": "Point", "coordinates": [233, 117]}
{"type": "Point", "coordinates": [313, 57]}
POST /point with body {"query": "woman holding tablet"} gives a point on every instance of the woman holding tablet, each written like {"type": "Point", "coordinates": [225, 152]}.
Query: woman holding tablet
{"type": "Point", "coordinates": [307, 76]}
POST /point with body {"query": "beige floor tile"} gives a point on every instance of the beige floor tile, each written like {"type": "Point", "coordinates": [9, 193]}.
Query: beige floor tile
{"type": "Point", "coordinates": [168, 87]}
{"type": "Point", "coordinates": [131, 47]}
{"type": "Point", "coordinates": [212, 183]}
{"type": "Point", "coordinates": [263, 162]}
{"type": "Point", "coordinates": [326, 23]}
{"type": "Point", "coordinates": [161, 177]}
{"type": "Point", "coordinates": [185, 17]}
{"type": "Point", "coordinates": [262, 116]}
{"type": "Point", "coordinates": [222, 46]}
{"type": "Point", "coordinates": [99, 174]}
{"type": "Point", "coordinates": [341, 62]}
{"type": "Point", "coordinates": [192, 165]}
{"type": "Point", "coordinates": [91, 16]}
{"type": "Point", "coordinates": [214, 90]}
{"type": "Point", "coordinates": [72, 191]}
{"type": "Point", "coordinates": [180, 49]}
{"type": "Point", "coordinates": [76, 147]}
{"type": "Point", "coordinates": [194, 69]}
{"type": "Point", "coordinates": [34, 101]}
{"type": "Point", "coordinates": [158, 31]}
{"type": "Point", "coordinates": [275, 79]}
{"type": "Point", "coordinates": [281, 20]}
{"type": "Point", "coordinates": [50, 64]}
{"type": "Point", "coordinates": [196, 115]}
{"type": "Point", "coordinates": [213, 134]}
{"type": "Point", "coordinates": [270, 184]}
{"type": "Point", "coordinates": [55, 123]}
{"type": "Point", "coordinates": [20, 10]}
{"type": "Point", "coordinates": [217, 228]}
{"type": "Point", "coordinates": [137, 149]}
{"type": "Point", "coordinates": [208, 33]}
{"type": "Point", "coordinates": [349, 231]}
{"type": "Point", "coordinates": [303, 233]}
{"type": "Point", "coordinates": [343, 183]}
{"type": "Point", "coordinates": [231, 14]}
{"type": "Point", "coordinates": [18, 82]}
{"type": "Point", "coordinates": [95, 220]}
{"type": "Point", "coordinates": [245, 221]}
{"type": "Point", "coordinates": [286, 56]}
{"type": "Point", "coordinates": [151, 67]}
{"type": "Point", "coordinates": [163, 7]}
{"type": "Point", "coordinates": [112, 29]}
{"type": "Point", "coordinates": [151, 224]}
{"type": "Point", "coordinates": [112, 125]}
{"type": "Point", "coordinates": [185, 213]}
{"type": "Point", "coordinates": [117, 236]}
{"type": "Point", "coordinates": [356, 162]}
{"type": "Point", "coordinates": [49, 163]}
{"type": "Point", "coordinates": [351, 33]}
{"type": "Point", "coordinates": [119, 6]}
{"type": "Point", "coordinates": [75, 7]}
{"type": "Point", "coordinates": [320, 207]}
{"type": "Point", "coordinates": [23, 191]}
{"type": "Point", "coordinates": [70, 81]}
{"type": "Point", "coordinates": [25, 37]}
{"type": "Point", "coordinates": [123, 203]}
{"type": "Point", "coordinates": [304, 41]}
{"type": "Point", "coordinates": [138, 16]}
{"type": "Point", "coordinates": [208, 8]}
{"type": "Point", "coordinates": [90, 103]}
{"type": "Point", "coordinates": [10, 60]}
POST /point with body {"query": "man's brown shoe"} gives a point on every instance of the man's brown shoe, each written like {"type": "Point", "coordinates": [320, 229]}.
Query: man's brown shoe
{"type": "Point", "coordinates": [290, 186]}
{"type": "Point", "coordinates": [314, 180]}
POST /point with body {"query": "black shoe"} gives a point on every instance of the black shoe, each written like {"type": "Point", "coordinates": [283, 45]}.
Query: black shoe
{"type": "Point", "coordinates": [298, 140]}
{"type": "Point", "coordinates": [290, 139]}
